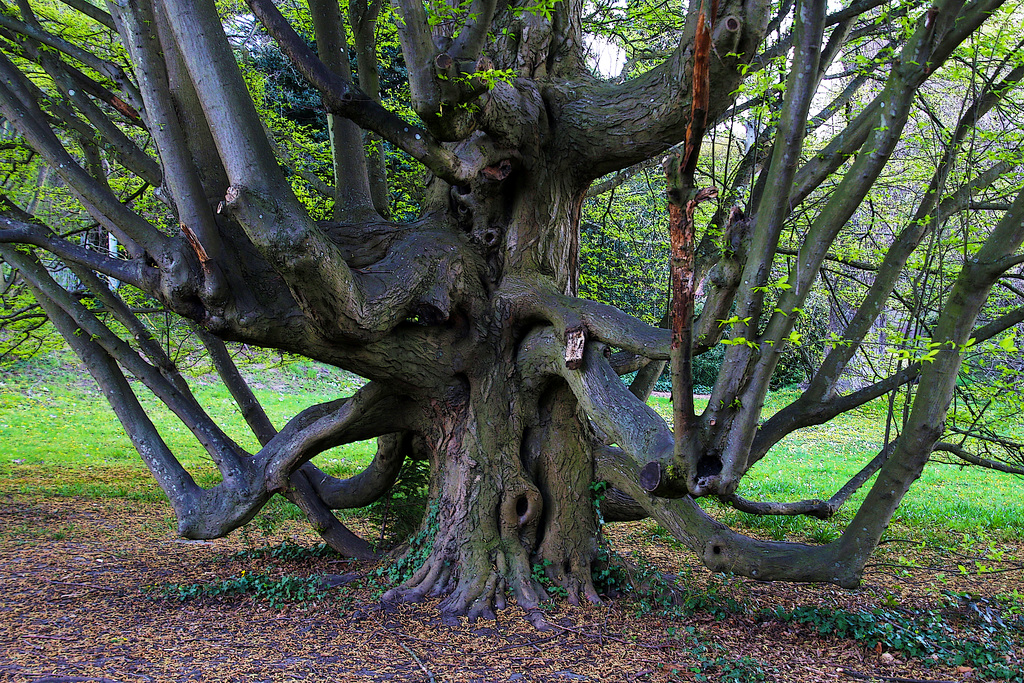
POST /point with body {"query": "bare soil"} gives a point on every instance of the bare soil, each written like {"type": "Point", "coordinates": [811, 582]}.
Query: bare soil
{"type": "Point", "coordinates": [77, 604]}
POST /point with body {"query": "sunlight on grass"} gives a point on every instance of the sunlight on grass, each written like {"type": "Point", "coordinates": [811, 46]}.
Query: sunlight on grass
{"type": "Point", "coordinates": [58, 436]}
{"type": "Point", "coordinates": [815, 462]}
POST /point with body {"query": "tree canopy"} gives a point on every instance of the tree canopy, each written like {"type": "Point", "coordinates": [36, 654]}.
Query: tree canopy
{"type": "Point", "coordinates": [420, 193]}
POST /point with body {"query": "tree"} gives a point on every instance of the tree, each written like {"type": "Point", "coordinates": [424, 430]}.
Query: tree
{"type": "Point", "coordinates": [481, 357]}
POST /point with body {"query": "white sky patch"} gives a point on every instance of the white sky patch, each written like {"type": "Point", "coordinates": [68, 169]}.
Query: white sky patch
{"type": "Point", "coordinates": [605, 56]}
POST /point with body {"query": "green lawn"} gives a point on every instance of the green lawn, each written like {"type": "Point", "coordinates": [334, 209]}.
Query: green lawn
{"type": "Point", "coordinates": [817, 461]}
{"type": "Point", "coordinates": [58, 436]}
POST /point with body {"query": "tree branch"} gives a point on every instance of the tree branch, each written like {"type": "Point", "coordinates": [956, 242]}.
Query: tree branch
{"type": "Point", "coordinates": [821, 509]}
{"type": "Point", "coordinates": [181, 176]}
{"type": "Point", "coordinates": [369, 485]}
{"type": "Point", "coordinates": [343, 98]}
{"type": "Point", "coordinates": [23, 112]}
{"type": "Point", "coordinates": [351, 181]}
{"type": "Point", "coordinates": [108, 69]}
{"type": "Point", "coordinates": [370, 412]}
{"type": "Point", "coordinates": [92, 11]}
{"type": "Point", "coordinates": [614, 126]}
{"type": "Point", "coordinates": [960, 452]}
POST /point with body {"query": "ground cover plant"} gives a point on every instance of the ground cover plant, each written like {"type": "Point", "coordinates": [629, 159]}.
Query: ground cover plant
{"type": "Point", "coordinates": [99, 588]}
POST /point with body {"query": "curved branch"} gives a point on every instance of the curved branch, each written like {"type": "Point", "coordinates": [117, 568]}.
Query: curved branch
{"type": "Point", "coordinates": [613, 126]}
{"type": "Point", "coordinates": [367, 486]}
{"type": "Point", "coordinates": [372, 411]}
{"type": "Point", "coordinates": [627, 421]}
{"type": "Point", "coordinates": [20, 232]}
{"type": "Point", "coordinates": [301, 490]}
{"type": "Point", "coordinates": [960, 452]}
{"type": "Point", "coordinates": [822, 509]}
{"type": "Point", "coordinates": [539, 300]}
{"type": "Point", "coordinates": [719, 547]}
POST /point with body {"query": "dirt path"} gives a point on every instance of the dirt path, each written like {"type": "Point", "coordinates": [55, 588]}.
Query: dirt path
{"type": "Point", "coordinates": [75, 607]}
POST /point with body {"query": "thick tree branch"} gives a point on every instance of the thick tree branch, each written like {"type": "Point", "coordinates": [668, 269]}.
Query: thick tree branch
{"type": "Point", "coordinates": [181, 175]}
{"type": "Point", "coordinates": [337, 535]}
{"type": "Point", "coordinates": [370, 412]}
{"type": "Point", "coordinates": [614, 126]}
{"type": "Point", "coordinates": [362, 15]}
{"type": "Point", "coordinates": [245, 399]}
{"type": "Point", "coordinates": [351, 180]}
{"type": "Point", "coordinates": [92, 11]}
{"type": "Point", "coordinates": [627, 421]}
{"type": "Point", "coordinates": [369, 485]}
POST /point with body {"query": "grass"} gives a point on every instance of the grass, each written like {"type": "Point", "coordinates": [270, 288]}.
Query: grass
{"type": "Point", "coordinates": [58, 436]}
{"type": "Point", "coordinates": [817, 461]}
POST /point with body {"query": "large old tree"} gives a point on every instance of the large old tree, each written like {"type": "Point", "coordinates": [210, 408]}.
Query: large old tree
{"type": "Point", "coordinates": [481, 357]}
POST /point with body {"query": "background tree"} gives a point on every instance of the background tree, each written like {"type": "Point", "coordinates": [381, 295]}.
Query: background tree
{"type": "Point", "coordinates": [482, 358]}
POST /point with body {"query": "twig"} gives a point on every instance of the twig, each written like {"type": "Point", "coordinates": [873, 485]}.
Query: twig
{"type": "Point", "coordinates": [82, 585]}
{"type": "Point", "coordinates": [514, 646]}
{"type": "Point", "coordinates": [418, 662]}
{"type": "Point", "coordinates": [35, 635]}
{"type": "Point", "coordinates": [617, 640]}
{"type": "Point", "coordinates": [897, 679]}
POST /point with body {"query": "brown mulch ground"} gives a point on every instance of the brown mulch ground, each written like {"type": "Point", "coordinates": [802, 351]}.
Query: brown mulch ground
{"type": "Point", "coordinates": [74, 606]}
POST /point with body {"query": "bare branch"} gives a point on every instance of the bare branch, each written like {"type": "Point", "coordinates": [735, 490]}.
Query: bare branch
{"type": "Point", "coordinates": [821, 509]}
{"type": "Point", "coordinates": [108, 69]}
{"type": "Point", "coordinates": [92, 11]}
{"type": "Point", "coordinates": [351, 181]}
{"type": "Point", "coordinates": [245, 399]}
{"type": "Point", "coordinates": [18, 231]}
{"type": "Point", "coordinates": [615, 126]}
{"type": "Point", "coordinates": [370, 484]}
{"type": "Point", "coordinates": [962, 453]}
{"type": "Point", "coordinates": [371, 411]}
{"type": "Point", "coordinates": [180, 173]}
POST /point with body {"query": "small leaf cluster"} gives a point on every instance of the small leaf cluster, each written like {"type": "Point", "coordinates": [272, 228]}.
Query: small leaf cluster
{"type": "Point", "coordinates": [277, 591]}
{"type": "Point", "coordinates": [538, 573]}
{"type": "Point", "coordinates": [285, 550]}
{"type": "Point", "coordinates": [919, 633]}
{"type": "Point", "coordinates": [712, 662]}
{"type": "Point", "coordinates": [420, 547]}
